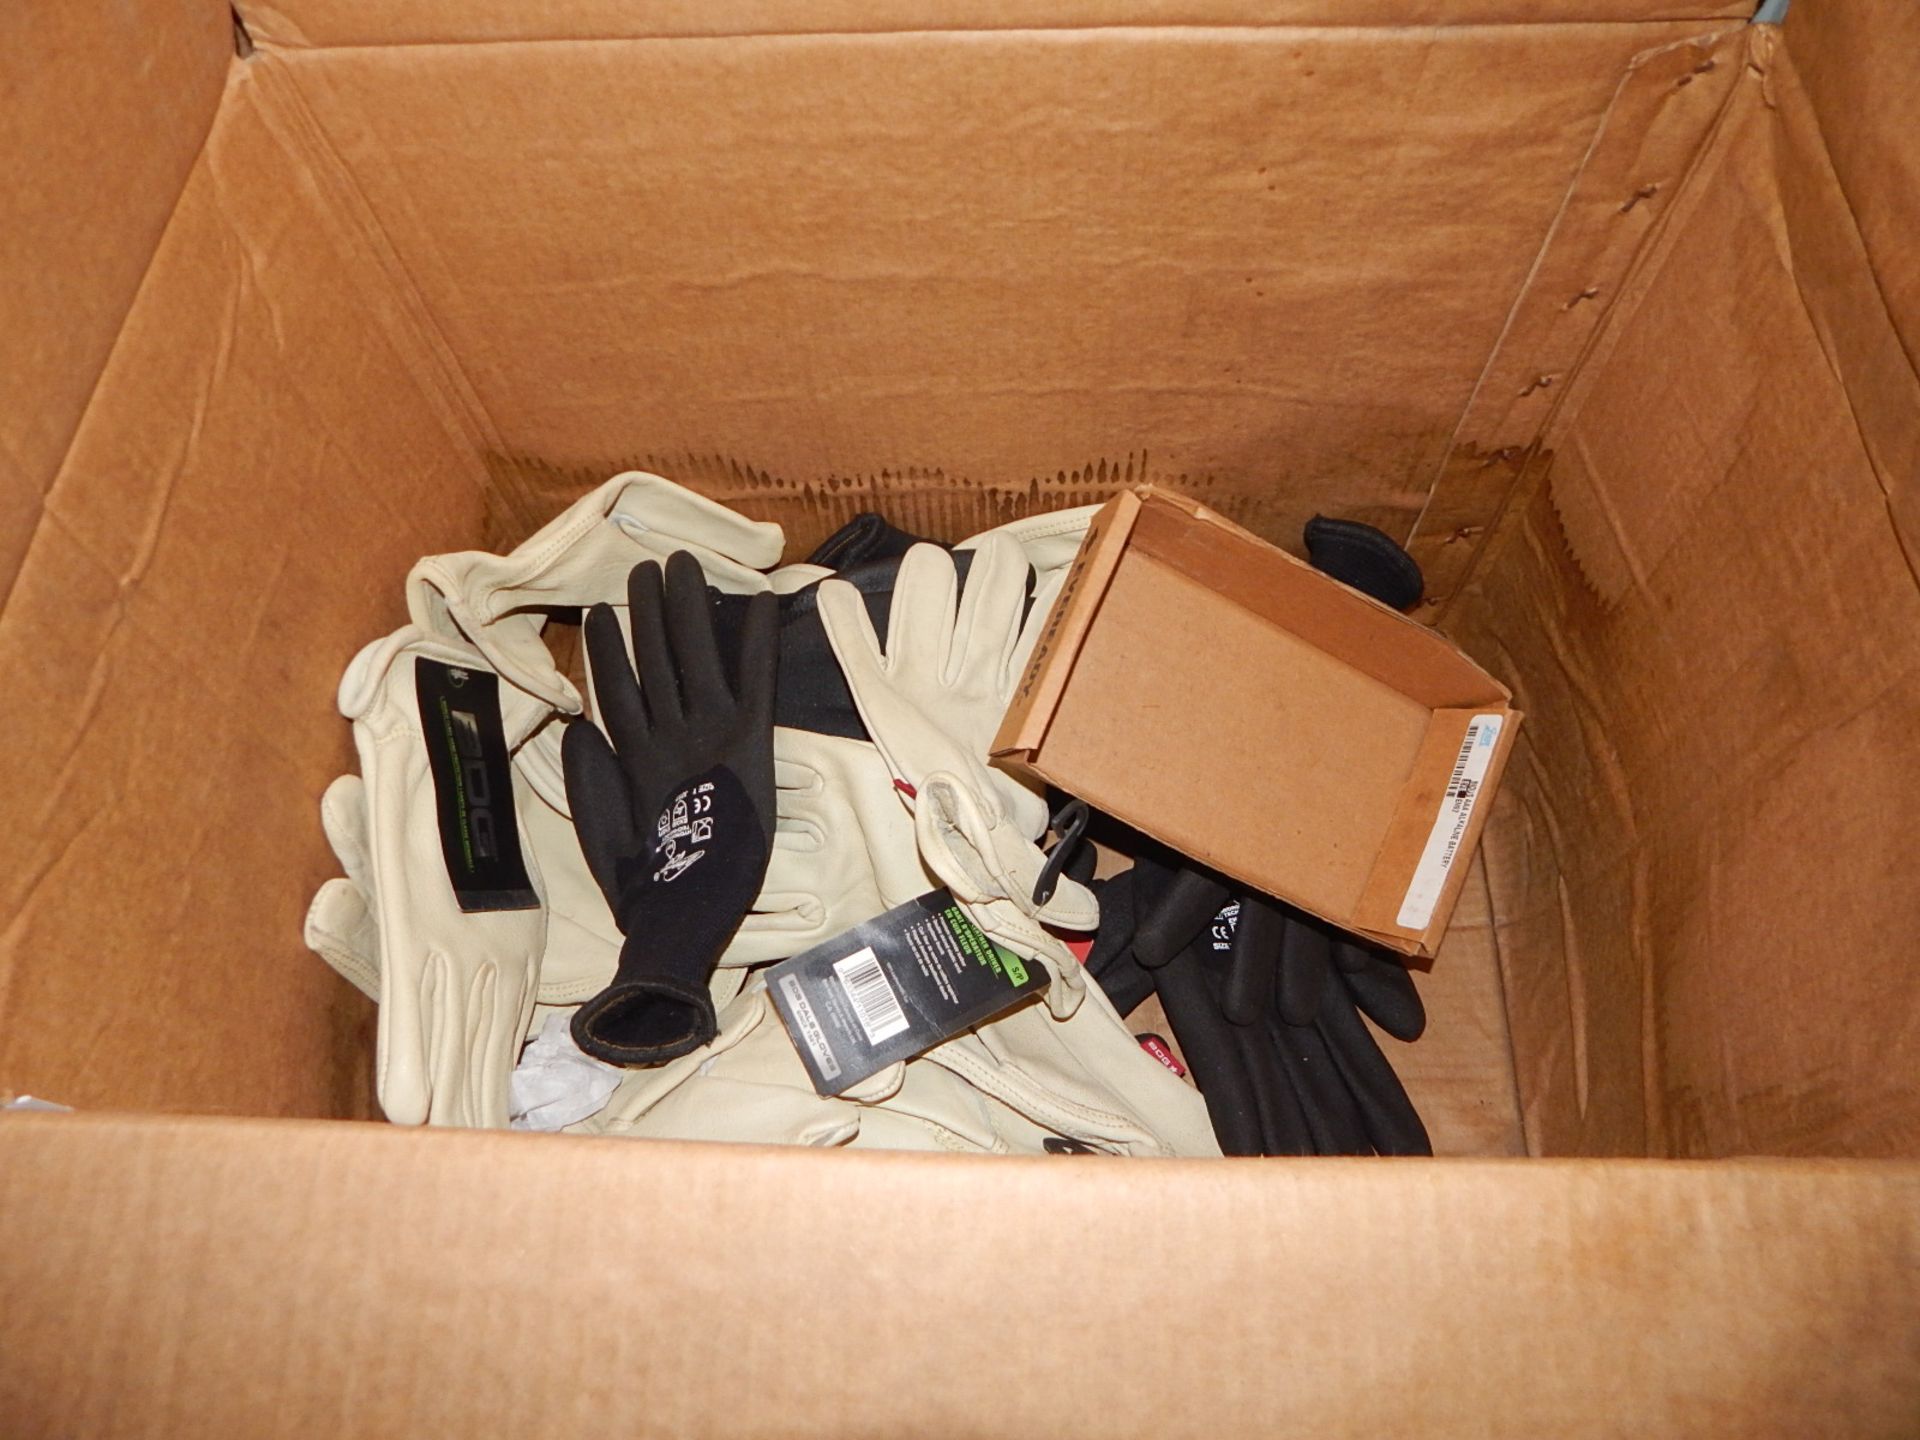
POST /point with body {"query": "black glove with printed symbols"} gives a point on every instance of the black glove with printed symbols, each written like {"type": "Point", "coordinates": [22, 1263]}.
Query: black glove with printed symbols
{"type": "Point", "coordinates": [1172, 907]}
{"type": "Point", "coordinates": [673, 803]}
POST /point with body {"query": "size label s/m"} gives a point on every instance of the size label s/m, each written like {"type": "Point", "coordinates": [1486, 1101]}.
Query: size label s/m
{"type": "Point", "coordinates": [1450, 825]}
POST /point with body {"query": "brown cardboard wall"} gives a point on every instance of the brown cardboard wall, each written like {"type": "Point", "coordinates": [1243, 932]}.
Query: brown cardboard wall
{"type": "Point", "coordinates": [254, 474]}
{"type": "Point", "coordinates": [332, 23]}
{"type": "Point", "coordinates": [982, 268]}
{"type": "Point", "coordinates": [1657, 124]}
{"type": "Point", "coordinates": [180, 1276]}
{"type": "Point", "coordinates": [1709, 610]}
{"type": "Point", "coordinates": [1460, 1073]}
{"type": "Point", "coordinates": [102, 110]}
{"type": "Point", "coordinates": [1857, 61]}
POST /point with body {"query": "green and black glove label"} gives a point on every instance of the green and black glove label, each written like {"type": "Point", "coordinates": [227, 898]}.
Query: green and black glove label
{"type": "Point", "coordinates": [472, 786]}
{"type": "Point", "coordinates": [895, 987]}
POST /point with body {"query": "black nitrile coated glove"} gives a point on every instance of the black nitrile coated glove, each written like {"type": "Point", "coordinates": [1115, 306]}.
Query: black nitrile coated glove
{"type": "Point", "coordinates": [1172, 905]}
{"type": "Point", "coordinates": [1365, 558]}
{"type": "Point", "coordinates": [1213, 1053]}
{"type": "Point", "coordinates": [1321, 1038]}
{"type": "Point", "coordinates": [865, 537]}
{"type": "Point", "coordinates": [1110, 962]}
{"type": "Point", "coordinates": [1265, 1003]}
{"type": "Point", "coordinates": [675, 815]}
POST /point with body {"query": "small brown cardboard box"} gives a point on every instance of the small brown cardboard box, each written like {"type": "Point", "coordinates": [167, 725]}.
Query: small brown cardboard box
{"type": "Point", "coordinates": [1217, 694]}
{"type": "Point", "coordinates": [1607, 308]}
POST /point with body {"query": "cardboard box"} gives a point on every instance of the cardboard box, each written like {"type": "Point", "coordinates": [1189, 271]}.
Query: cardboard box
{"type": "Point", "coordinates": [1223, 697]}
{"type": "Point", "coordinates": [1607, 306]}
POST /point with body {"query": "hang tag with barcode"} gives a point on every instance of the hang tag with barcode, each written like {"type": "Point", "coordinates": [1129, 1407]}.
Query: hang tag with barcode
{"type": "Point", "coordinates": [895, 987]}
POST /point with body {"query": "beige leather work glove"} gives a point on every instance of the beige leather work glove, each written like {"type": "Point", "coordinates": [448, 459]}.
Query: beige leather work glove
{"type": "Point", "coordinates": [1050, 542]}
{"type": "Point", "coordinates": [932, 698]}
{"type": "Point", "coordinates": [500, 603]}
{"type": "Point", "coordinates": [749, 1086]}
{"type": "Point", "coordinates": [456, 987]}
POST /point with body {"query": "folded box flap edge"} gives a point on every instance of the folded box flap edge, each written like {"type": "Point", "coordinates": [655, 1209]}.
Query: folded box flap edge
{"type": "Point", "coordinates": [1045, 679]}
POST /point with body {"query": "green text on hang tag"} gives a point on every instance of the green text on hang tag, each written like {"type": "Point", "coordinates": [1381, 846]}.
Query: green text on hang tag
{"type": "Point", "coordinates": [893, 988]}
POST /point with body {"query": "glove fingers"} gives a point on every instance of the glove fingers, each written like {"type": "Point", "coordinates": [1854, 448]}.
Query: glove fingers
{"type": "Point", "coordinates": [652, 655]}
{"type": "Point", "coordinates": [1283, 1124]}
{"type": "Point", "coordinates": [343, 816]}
{"type": "Point", "coordinates": [597, 794]}
{"type": "Point", "coordinates": [1386, 995]}
{"type": "Point", "coordinates": [1191, 899]}
{"type": "Point", "coordinates": [759, 659]}
{"type": "Point", "coordinates": [689, 630]}
{"type": "Point", "coordinates": [340, 930]}
{"type": "Point", "coordinates": [402, 1049]}
{"type": "Point", "coordinates": [1350, 955]}
{"type": "Point", "coordinates": [1253, 968]}
{"type": "Point", "coordinates": [1366, 558]}
{"type": "Point", "coordinates": [653, 509]}
{"type": "Point", "coordinates": [1111, 940]}
{"type": "Point", "coordinates": [1126, 984]}
{"type": "Point", "coordinates": [1392, 1124]}
{"type": "Point", "coordinates": [616, 694]}
{"type": "Point", "coordinates": [1072, 906]}
{"type": "Point", "coordinates": [990, 611]}
{"type": "Point", "coordinates": [1306, 955]}
{"type": "Point", "coordinates": [856, 646]}
{"type": "Point", "coordinates": [921, 620]}
{"type": "Point", "coordinates": [483, 996]}
{"type": "Point", "coordinates": [1332, 1117]}
{"type": "Point", "coordinates": [1212, 1054]}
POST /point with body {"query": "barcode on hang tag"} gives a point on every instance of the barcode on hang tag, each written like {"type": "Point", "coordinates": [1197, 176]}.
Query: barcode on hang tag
{"type": "Point", "coordinates": [1450, 825]}
{"type": "Point", "coordinates": [865, 980]}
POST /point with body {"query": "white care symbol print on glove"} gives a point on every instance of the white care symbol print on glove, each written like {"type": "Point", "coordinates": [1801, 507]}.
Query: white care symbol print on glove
{"type": "Point", "coordinates": [684, 824]}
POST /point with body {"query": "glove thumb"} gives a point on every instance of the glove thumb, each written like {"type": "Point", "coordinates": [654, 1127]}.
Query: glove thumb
{"type": "Point", "coordinates": [966, 844]}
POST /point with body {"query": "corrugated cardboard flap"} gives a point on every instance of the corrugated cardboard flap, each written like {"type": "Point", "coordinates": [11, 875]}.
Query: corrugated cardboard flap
{"type": "Point", "coordinates": [250, 1277]}
{"type": "Point", "coordinates": [1025, 724]}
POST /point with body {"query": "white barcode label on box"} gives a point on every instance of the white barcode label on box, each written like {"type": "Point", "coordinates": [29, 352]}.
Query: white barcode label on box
{"type": "Point", "coordinates": [865, 981]}
{"type": "Point", "coordinates": [1450, 825]}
